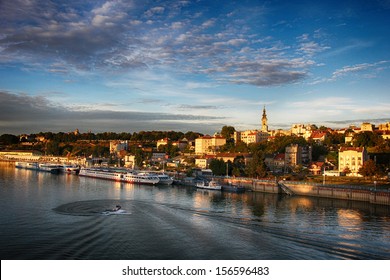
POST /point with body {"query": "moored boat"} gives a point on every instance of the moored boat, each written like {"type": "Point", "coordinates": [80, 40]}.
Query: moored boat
{"type": "Point", "coordinates": [140, 178]}
{"type": "Point", "coordinates": [233, 188]}
{"type": "Point", "coordinates": [164, 179]}
{"type": "Point", "coordinates": [212, 185]}
{"type": "Point", "coordinates": [49, 167]}
{"type": "Point", "coordinates": [101, 174]}
{"type": "Point", "coordinates": [120, 175]}
{"type": "Point", "coordinates": [69, 168]}
{"type": "Point", "coordinates": [27, 165]}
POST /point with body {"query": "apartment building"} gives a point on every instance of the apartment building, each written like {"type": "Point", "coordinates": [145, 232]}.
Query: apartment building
{"type": "Point", "coordinates": [351, 158]}
{"type": "Point", "coordinates": [250, 136]}
{"type": "Point", "coordinates": [297, 155]}
{"type": "Point", "coordinates": [209, 144]}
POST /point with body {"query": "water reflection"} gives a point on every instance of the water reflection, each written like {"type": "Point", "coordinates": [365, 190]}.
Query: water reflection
{"type": "Point", "coordinates": [180, 222]}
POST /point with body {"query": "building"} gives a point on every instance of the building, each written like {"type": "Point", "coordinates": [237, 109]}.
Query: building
{"type": "Point", "coordinates": [117, 146]}
{"type": "Point", "coordinates": [21, 155]}
{"type": "Point", "coordinates": [159, 157]}
{"type": "Point", "coordinates": [129, 161]}
{"type": "Point", "coordinates": [301, 130]}
{"type": "Point", "coordinates": [317, 168]}
{"type": "Point", "coordinates": [275, 163]}
{"type": "Point", "coordinates": [232, 156]}
{"type": "Point", "coordinates": [297, 155]}
{"type": "Point", "coordinates": [203, 162]}
{"type": "Point", "coordinates": [250, 136]}
{"type": "Point", "coordinates": [162, 142]}
{"type": "Point", "coordinates": [351, 159]}
{"type": "Point", "coordinates": [254, 136]}
{"type": "Point", "coordinates": [209, 144]}
{"type": "Point", "coordinates": [318, 136]}
{"type": "Point", "coordinates": [349, 135]}
{"type": "Point", "coordinates": [181, 144]}
{"type": "Point", "coordinates": [367, 127]}
{"type": "Point", "coordinates": [384, 126]}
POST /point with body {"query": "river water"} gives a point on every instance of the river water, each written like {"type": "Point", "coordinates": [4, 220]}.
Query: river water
{"type": "Point", "coordinates": [46, 216]}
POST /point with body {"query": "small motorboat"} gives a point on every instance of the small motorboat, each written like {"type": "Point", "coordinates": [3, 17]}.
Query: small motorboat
{"type": "Point", "coordinates": [116, 210]}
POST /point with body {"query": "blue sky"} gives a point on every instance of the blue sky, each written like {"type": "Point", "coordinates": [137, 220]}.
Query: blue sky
{"type": "Point", "coordinates": [192, 65]}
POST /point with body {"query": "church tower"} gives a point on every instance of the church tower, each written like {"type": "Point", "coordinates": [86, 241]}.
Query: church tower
{"type": "Point", "coordinates": [264, 125]}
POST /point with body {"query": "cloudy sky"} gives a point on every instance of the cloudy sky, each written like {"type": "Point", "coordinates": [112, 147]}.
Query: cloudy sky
{"type": "Point", "coordinates": [122, 65]}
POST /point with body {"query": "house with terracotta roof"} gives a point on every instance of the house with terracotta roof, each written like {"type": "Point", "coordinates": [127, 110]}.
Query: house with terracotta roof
{"type": "Point", "coordinates": [316, 167]}
{"type": "Point", "coordinates": [318, 136]}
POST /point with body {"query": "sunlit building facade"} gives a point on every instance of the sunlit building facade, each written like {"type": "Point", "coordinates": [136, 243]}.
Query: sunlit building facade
{"type": "Point", "coordinates": [351, 159]}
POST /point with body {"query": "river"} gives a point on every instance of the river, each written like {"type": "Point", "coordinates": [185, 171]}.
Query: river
{"type": "Point", "coordinates": [46, 216]}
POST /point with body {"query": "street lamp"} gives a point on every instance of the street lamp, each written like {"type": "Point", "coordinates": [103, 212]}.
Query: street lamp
{"type": "Point", "coordinates": [323, 182]}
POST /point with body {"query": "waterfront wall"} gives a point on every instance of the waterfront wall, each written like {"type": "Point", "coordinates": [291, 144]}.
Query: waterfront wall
{"type": "Point", "coordinates": [351, 193]}
{"type": "Point", "coordinates": [340, 192]}
{"type": "Point", "coordinates": [267, 186]}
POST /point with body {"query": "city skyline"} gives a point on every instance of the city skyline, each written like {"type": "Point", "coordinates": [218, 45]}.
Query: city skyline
{"type": "Point", "coordinates": [192, 65]}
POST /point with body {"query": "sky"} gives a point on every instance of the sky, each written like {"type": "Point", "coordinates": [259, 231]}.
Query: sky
{"type": "Point", "coordinates": [129, 66]}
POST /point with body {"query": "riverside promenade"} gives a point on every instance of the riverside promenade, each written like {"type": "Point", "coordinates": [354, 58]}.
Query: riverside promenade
{"type": "Point", "coordinates": [346, 192]}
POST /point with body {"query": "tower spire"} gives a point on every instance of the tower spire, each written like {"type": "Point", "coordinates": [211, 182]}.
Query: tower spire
{"type": "Point", "coordinates": [264, 121]}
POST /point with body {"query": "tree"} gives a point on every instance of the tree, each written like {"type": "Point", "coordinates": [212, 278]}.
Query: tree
{"type": "Point", "coordinates": [169, 149]}
{"type": "Point", "coordinates": [367, 139]}
{"type": "Point", "coordinates": [369, 169]}
{"type": "Point", "coordinates": [9, 139]}
{"type": "Point", "coordinates": [53, 148]}
{"type": "Point", "coordinates": [218, 166]}
{"type": "Point", "coordinates": [227, 132]}
{"type": "Point", "coordinates": [346, 170]}
{"type": "Point", "coordinates": [256, 167]}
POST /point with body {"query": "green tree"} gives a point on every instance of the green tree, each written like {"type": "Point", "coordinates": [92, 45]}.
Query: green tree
{"type": "Point", "coordinates": [367, 139]}
{"type": "Point", "coordinates": [53, 148]}
{"type": "Point", "coordinates": [9, 139]}
{"type": "Point", "coordinates": [169, 149]}
{"type": "Point", "coordinates": [227, 132]}
{"type": "Point", "coordinates": [369, 169]}
{"type": "Point", "coordinates": [218, 167]}
{"type": "Point", "coordinates": [256, 167]}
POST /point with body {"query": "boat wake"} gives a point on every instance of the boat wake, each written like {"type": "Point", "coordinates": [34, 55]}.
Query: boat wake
{"type": "Point", "coordinates": [117, 212]}
{"type": "Point", "coordinates": [93, 208]}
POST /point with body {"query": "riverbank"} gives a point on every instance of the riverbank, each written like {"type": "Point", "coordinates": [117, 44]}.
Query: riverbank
{"type": "Point", "coordinates": [347, 192]}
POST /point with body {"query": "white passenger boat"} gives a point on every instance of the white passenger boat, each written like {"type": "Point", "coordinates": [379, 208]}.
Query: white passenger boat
{"type": "Point", "coordinates": [49, 167]}
{"type": "Point", "coordinates": [140, 178]}
{"type": "Point", "coordinates": [69, 168]}
{"type": "Point", "coordinates": [120, 175]}
{"type": "Point", "coordinates": [165, 179]}
{"type": "Point", "coordinates": [212, 185]}
{"type": "Point", "coordinates": [101, 174]}
{"type": "Point", "coordinates": [27, 165]}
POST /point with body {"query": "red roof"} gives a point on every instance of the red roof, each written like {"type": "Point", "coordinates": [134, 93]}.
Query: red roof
{"type": "Point", "coordinates": [318, 134]}
{"type": "Point", "coordinates": [318, 163]}
{"type": "Point", "coordinates": [357, 149]}
{"type": "Point", "coordinates": [280, 157]}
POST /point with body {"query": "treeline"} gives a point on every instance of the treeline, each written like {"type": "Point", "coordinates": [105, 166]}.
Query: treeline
{"type": "Point", "coordinates": [62, 137]}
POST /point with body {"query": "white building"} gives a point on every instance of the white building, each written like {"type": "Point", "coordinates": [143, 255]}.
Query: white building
{"type": "Point", "coordinates": [303, 130]}
{"type": "Point", "coordinates": [250, 136]}
{"type": "Point", "coordinates": [209, 144]}
{"type": "Point", "coordinates": [352, 159]}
